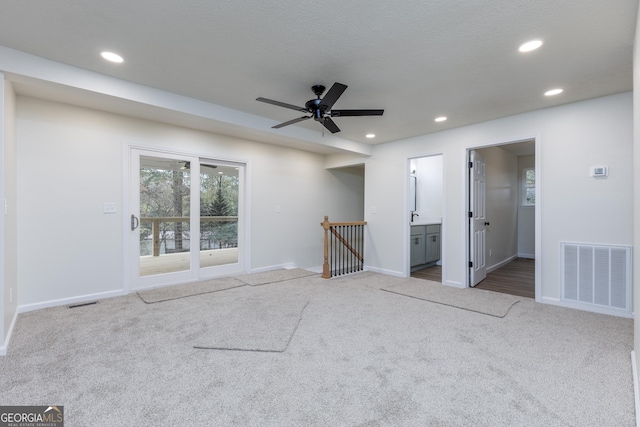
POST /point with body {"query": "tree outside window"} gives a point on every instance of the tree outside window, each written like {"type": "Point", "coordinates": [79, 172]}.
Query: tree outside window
{"type": "Point", "coordinates": [529, 187]}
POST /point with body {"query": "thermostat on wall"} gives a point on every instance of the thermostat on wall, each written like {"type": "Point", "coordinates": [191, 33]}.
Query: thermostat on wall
{"type": "Point", "coordinates": [599, 171]}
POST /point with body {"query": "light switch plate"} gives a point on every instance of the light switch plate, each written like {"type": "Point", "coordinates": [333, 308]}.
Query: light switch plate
{"type": "Point", "coordinates": [109, 208]}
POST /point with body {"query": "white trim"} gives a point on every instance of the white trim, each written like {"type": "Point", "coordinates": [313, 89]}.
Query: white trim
{"type": "Point", "coordinates": [527, 256]}
{"type": "Point", "coordinates": [612, 311]}
{"type": "Point", "coordinates": [538, 206]}
{"type": "Point", "coordinates": [454, 284]}
{"type": "Point", "coordinates": [286, 266]}
{"type": "Point", "coordinates": [130, 282]}
{"type": "Point", "coordinates": [71, 300]}
{"type": "Point", "coordinates": [384, 271]}
{"type": "Point", "coordinates": [636, 391]}
{"type": "Point", "coordinates": [3, 202]}
{"type": "Point", "coordinates": [501, 263]}
{"type": "Point", "coordinates": [5, 347]}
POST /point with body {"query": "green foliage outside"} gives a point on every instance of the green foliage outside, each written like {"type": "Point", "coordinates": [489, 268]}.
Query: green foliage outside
{"type": "Point", "coordinates": [165, 193]}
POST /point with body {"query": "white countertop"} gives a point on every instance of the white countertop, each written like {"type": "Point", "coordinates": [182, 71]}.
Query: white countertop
{"type": "Point", "coordinates": [427, 221]}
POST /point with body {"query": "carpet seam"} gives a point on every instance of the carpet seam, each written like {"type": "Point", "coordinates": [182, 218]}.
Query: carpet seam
{"type": "Point", "coordinates": [454, 306]}
{"type": "Point", "coordinates": [191, 295]}
{"type": "Point", "coordinates": [257, 350]}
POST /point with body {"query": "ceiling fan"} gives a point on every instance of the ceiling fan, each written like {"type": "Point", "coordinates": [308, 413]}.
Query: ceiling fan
{"type": "Point", "coordinates": [320, 108]}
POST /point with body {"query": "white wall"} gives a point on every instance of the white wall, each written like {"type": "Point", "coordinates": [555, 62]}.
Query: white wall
{"type": "Point", "coordinates": [71, 162]}
{"type": "Point", "coordinates": [8, 234]}
{"type": "Point", "coordinates": [501, 185]}
{"type": "Point", "coordinates": [526, 214]}
{"type": "Point", "coordinates": [573, 206]}
{"type": "Point", "coordinates": [348, 201]}
{"type": "Point", "coordinates": [636, 198]}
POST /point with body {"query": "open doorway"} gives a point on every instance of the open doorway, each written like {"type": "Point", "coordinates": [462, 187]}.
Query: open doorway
{"type": "Point", "coordinates": [502, 204]}
{"type": "Point", "coordinates": [426, 193]}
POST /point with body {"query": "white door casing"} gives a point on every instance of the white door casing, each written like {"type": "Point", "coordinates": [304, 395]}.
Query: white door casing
{"type": "Point", "coordinates": [193, 271]}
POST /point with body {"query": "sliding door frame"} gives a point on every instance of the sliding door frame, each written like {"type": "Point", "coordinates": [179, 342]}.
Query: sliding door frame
{"type": "Point", "coordinates": [131, 278]}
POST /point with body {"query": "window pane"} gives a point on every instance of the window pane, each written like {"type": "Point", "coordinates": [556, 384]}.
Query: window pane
{"type": "Point", "coordinates": [219, 187]}
{"type": "Point", "coordinates": [530, 196]}
{"type": "Point", "coordinates": [530, 177]}
{"type": "Point", "coordinates": [164, 216]}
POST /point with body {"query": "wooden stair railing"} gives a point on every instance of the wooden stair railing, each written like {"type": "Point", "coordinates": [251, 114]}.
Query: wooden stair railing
{"type": "Point", "coordinates": [343, 247]}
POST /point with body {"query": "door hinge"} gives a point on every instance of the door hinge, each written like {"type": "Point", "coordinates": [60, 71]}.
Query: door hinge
{"type": "Point", "coordinates": [470, 165]}
{"type": "Point", "coordinates": [470, 264]}
{"type": "Point", "coordinates": [470, 214]}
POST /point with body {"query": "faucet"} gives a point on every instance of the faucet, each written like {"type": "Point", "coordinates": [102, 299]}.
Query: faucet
{"type": "Point", "coordinates": [413, 214]}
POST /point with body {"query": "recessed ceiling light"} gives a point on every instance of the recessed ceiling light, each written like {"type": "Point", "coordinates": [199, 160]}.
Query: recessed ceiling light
{"type": "Point", "coordinates": [441, 119]}
{"type": "Point", "coordinates": [370, 135]}
{"type": "Point", "coordinates": [553, 92]}
{"type": "Point", "coordinates": [531, 45]}
{"type": "Point", "coordinates": [113, 57]}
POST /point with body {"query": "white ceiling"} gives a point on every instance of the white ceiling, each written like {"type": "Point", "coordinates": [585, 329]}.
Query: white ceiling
{"type": "Point", "coordinates": [415, 59]}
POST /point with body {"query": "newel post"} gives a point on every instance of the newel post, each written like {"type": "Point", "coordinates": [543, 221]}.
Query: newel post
{"type": "Point", "coordinates": [326, 272]}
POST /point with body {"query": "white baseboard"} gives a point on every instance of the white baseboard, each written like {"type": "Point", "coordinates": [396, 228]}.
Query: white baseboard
{"type": "Point", "coordinates": [454, 284]}
{"type": "Point", "coordinates": [287, 266]}
{"type": "Point", "coordinates": [636, 392]}
{"type": "Point", "coordinates": [528, 256]}
{"type": "Point", "coordinates": [383, 271]}
{"type": "Point", "coordinates": [67, 301]}
{"type": "Point", "coordinates": [501, 263]}
{"type": "Point", "coordinates": [5, 346]}
{"type": "Point", "coordinates": [586, 307]}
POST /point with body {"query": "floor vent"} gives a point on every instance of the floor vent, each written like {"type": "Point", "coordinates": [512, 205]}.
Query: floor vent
{"type": "Point", "coordinates": [597, 275]}
{"type": "Point", "coordinates": [82, 304]}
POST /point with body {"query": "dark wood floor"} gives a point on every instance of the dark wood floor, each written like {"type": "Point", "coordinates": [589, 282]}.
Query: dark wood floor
{"type": "Point", "coordinates": [516, 278]}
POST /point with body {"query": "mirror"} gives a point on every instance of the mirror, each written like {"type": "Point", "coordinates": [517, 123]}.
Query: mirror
{"type": "Point", "coordinates": [412, 193]}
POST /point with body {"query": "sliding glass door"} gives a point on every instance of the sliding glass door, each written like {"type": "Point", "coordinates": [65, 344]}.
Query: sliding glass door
{"type": "Point", "coordinates": [185, 222]}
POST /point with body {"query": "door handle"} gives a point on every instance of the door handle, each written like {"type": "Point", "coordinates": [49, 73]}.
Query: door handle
{"type": "Point", "coordinates": [486, 223]}
{"type": "Point", "coordinates": [135, 222]}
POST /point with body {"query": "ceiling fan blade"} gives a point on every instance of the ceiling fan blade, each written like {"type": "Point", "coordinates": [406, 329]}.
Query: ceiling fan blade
{"type": "Point", "coordinates": [290, 122]}
{"type": "Point", "coordinates": [332, 96]}
{"type": "Point", "coordinates": [352, 113]}
{"type": "Point", "coordinates": [281, 104]}
{"type": "Point", "coordinates": [330, 125]}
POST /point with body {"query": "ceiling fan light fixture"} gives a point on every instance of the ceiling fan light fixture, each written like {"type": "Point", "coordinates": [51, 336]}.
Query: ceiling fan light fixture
{"type": "Point", "coordinates": [112, 57]}
{"type": "Point", "coordinates": [530, 46]}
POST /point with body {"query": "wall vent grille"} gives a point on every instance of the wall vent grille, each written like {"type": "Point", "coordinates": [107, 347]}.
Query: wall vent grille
{"type": "Point", "coordinates": [597, 275]}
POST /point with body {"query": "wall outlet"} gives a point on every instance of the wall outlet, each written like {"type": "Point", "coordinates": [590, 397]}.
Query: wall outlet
{"type": "Point", "coordinates": [278, 209]}
{"type": "Point", "coordinates": [490, 252]}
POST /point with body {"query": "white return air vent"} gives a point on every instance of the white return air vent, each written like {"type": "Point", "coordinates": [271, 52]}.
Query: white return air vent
{"type": "Point", "coordinates": [597, 277]}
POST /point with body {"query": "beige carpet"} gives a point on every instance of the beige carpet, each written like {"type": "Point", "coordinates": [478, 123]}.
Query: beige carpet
{"type": "Point", "coordinates": [262, 326]}
{"type": "Point", "coordinates": [480, 301]}
{"type": "Point", "coordinates": [359, 357]}
{"type": "Point", "coordinates": [189, 289]}
{"type": "Point", "coordinates": [273, 276]}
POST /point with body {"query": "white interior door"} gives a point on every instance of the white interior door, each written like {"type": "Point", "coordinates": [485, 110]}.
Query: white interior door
{"type": "Point", "coordinates": [477, 218]}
